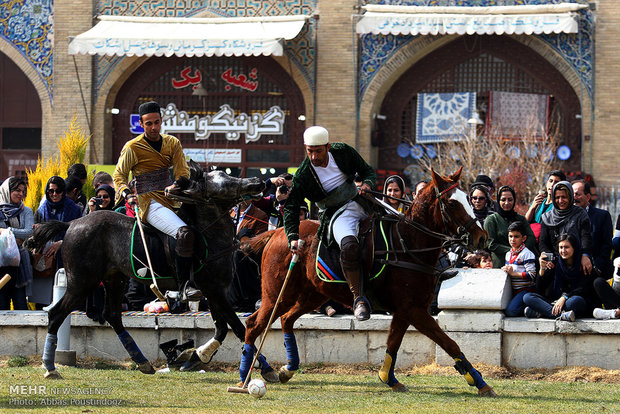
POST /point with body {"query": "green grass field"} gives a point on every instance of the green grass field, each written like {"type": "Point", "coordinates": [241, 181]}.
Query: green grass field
{"type": "Point", "coordinates": [174, 392]}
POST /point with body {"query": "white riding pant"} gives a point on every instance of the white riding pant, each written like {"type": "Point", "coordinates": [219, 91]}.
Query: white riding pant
{"type": "Point", "coordinates": [346, 221]}
{"type": "Point", "coordinates": [164, 219]}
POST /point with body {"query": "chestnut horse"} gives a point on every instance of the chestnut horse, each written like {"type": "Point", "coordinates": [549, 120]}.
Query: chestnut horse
{"type": "Point", "coordinates": [406, 290]}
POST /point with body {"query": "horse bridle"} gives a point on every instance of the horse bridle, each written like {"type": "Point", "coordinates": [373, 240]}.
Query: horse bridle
{"type": "Point", "coordinates": [447, 217]}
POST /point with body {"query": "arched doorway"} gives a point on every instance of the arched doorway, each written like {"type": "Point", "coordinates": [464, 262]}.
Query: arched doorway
{"type": "Point", "coordinates": [20, 121]}
{"type": "Point", "coordinates": [478, 64]}
{"type": "Point", "coordinates": [247, 85]}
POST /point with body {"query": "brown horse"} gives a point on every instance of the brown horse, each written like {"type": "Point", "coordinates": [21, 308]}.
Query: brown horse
{"type": "Point", "coordinates": [405, 290]}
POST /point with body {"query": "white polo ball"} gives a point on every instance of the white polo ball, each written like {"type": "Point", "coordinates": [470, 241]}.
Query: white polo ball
{"type": "Point", "coordinates": [257, 388]}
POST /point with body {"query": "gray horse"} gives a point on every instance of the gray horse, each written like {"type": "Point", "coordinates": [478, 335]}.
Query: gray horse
{"type": "Point", "coordinates": [96, 249]}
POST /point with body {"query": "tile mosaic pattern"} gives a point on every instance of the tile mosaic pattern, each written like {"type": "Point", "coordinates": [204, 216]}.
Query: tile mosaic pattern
{"type": "Point", "coordinates": [576, 49]}
{"type": "Point", "coordinates": [300, 50]}
{"type": "Point", "coordinates": [28, 25]}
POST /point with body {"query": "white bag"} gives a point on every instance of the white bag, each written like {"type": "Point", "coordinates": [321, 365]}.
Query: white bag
{"type": "Point", "coordinates": [9, 252]}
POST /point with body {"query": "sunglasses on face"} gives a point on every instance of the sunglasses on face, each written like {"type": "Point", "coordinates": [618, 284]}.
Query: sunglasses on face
{"type": "Point", "coordinates": [54, 191]}
{"type": "Point", "coordinates": [479, 198]}
{"type": "Point", "coordinates": [105, 196]}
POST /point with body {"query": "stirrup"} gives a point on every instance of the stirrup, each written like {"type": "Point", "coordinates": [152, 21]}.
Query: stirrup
{"type": "Point", "coordinates": [189, 292]}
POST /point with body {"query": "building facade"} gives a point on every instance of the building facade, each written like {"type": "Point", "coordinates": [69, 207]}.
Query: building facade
{"type": "Point", "coordinates": [369, 71]}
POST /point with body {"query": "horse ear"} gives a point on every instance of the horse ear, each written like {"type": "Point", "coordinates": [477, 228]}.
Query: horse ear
{"type": "Point", "coordinates": [436, 178]}
{"type": "Point", "coordinates": [195, 170]}
{"type": "Point", "coordinates": [457, 175]}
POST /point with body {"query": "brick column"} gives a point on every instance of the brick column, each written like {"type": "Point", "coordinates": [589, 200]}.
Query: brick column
{"type": "Point", "coordinates": [335, 93]}
{"type": "Point", "coordinates": [70, 19]}
{"type": "Point", "coordinates": [605, 143]}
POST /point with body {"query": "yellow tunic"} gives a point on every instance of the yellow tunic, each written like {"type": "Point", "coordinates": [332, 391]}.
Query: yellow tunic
{"type": "Point", "coordinates": [138, 157]}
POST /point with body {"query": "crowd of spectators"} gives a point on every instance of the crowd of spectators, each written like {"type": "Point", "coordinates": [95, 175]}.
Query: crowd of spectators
{"type": "Point", "coordinates": [558, 255]}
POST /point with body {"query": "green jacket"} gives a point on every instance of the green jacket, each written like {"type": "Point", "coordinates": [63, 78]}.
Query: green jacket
{"type": "Point", "coordinates": [306, 184]}
{"type": "Point", "coordinates": [497, 227]}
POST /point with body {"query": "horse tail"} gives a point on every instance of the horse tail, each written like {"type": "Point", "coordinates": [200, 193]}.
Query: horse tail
{"type": "Point", "coordinates": [45, 232]}
{"type": "Point", "coordinates": [254, 247]}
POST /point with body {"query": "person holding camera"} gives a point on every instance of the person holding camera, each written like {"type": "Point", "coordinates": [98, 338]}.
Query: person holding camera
{"type": "Point", "coordinates": [567, 218]}
{"type": "Point", "coordinates": [563, 289]}
{"type": "Point", "coordinates": [103, 200]}
{"type": "Point", "coordinates": [273, 204]}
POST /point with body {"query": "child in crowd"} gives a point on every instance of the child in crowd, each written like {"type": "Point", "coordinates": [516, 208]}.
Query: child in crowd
{"type": "Point", "coordinates": [521, 267]}
{"type": "Point", "coordinates": [480, 259]}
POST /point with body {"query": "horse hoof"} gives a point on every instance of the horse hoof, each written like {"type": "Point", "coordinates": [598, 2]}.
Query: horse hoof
{"type": "Point", "coordinates": [285, 375]}
{"type": "Point", "coordinates": [192, 364]}
{"type": "Point", "coordinates": [208, 350]}
{"type": "Point", "coordinates": [399, 388]}
{"type": "Point", "coordinates": [53, 374]}
{"type": "Point", "coordinates": [271, 376]}
{"type": "Point", "coordinates": [487, 391]}
{"type": "Point", "coordinates": [146, 368]}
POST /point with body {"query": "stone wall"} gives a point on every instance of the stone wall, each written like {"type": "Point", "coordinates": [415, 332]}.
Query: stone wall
{"type": "Point", "coordinates": [484, 336]}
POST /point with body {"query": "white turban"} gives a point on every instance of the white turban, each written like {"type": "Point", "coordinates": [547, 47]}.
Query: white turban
{"type": "Point", "coordinates": [316, 135]}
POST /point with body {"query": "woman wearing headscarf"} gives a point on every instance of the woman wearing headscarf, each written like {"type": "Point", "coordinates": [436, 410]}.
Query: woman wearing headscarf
{"type": "Point", "coordinates": [566, 218]}
{"type": "Point", "coordinates": [497, 226]}
{"type": "Point", "coordinates": [563, 290]}
{"type": "Point", "coordinates": [103, 199]}
{"type": "Point", "coordinates": [17, 217]}
{"type": "Point", "coordinates": [395, 187]}
{"type": "Point", "coordinates": [480, 200]}
{"type": "Point", "coordinates": [56, 206]}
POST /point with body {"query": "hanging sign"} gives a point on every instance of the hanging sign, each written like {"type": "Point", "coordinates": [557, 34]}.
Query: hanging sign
{"type": "Point", "coordinates": [134, 122]}
{"type": "Point", "coordinates": [213, 155]}
{"type": "Point", "coordinates": [223, 122]}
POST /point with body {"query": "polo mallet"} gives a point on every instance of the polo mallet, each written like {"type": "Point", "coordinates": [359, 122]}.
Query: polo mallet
{"type": "Point", "coordinates": [244, 388]}
{"type": "Point", "coordinates": [153, 286]}
{"type": "Point", "coordinates": [5, 280]}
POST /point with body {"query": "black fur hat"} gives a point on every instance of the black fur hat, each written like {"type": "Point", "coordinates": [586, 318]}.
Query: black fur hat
{"type": "Point", "coordinates": [149, 108]}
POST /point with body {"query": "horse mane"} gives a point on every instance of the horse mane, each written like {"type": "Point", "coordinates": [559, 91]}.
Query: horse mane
{"type": "Point", "coordinates": [45, 232]}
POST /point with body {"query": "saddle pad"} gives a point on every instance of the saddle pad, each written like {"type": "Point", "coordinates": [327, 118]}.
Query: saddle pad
{"type": "Point", "coordinates": [328, 267]}
{"type": "Point", "coordinates": [155, 242]}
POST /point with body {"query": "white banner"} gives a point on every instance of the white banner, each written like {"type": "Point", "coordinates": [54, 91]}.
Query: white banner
{"type": "Point", "coordinates": [433, 24]}
{"type": "Point", "coordinates": [213, 155]}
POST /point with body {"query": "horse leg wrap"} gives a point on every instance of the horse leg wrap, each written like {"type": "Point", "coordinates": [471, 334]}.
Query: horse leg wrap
{"type": "Point", "coordinates": [263, 364]}
{"type": "Point", "coordinates": [292, 353]}
{"type": "Point", "coordinates": [49, 352]}
{"type": "Point", "coordinates": [247, 356]}
{"type": "Point", "coordinates": [206, 351]}
{"type": "Point", "coordinates": [132, 348]}
{"type": "Point", "coordinates": [472, 376]}
{"type": "Point", "coordinates": [386, 373]}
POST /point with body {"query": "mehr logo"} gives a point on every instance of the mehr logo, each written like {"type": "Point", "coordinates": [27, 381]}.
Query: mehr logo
{"type": "Point", "coordinates": [28, 389]}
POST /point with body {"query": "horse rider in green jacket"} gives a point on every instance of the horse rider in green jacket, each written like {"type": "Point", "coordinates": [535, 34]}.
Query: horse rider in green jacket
{"type": "Point", "coordinates": [325, 177]}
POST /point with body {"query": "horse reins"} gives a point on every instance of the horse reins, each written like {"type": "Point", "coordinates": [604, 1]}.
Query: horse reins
{"type": "Point", "coordinates": [446, 239]}
{"type": "Point", "coordinates": [378, 193]}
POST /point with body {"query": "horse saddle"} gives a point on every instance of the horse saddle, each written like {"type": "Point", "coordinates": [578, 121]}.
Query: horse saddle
{"type": "Point", "coordinates": [161, 248]}
{"type": "Point", "coordinates": [374, 235]}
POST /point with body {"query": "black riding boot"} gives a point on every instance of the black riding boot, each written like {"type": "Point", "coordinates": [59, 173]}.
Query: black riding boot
{"type": "Point", "coordinates": [350, 262]}
{"type": "Point", "coordinates": [185, 252]}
